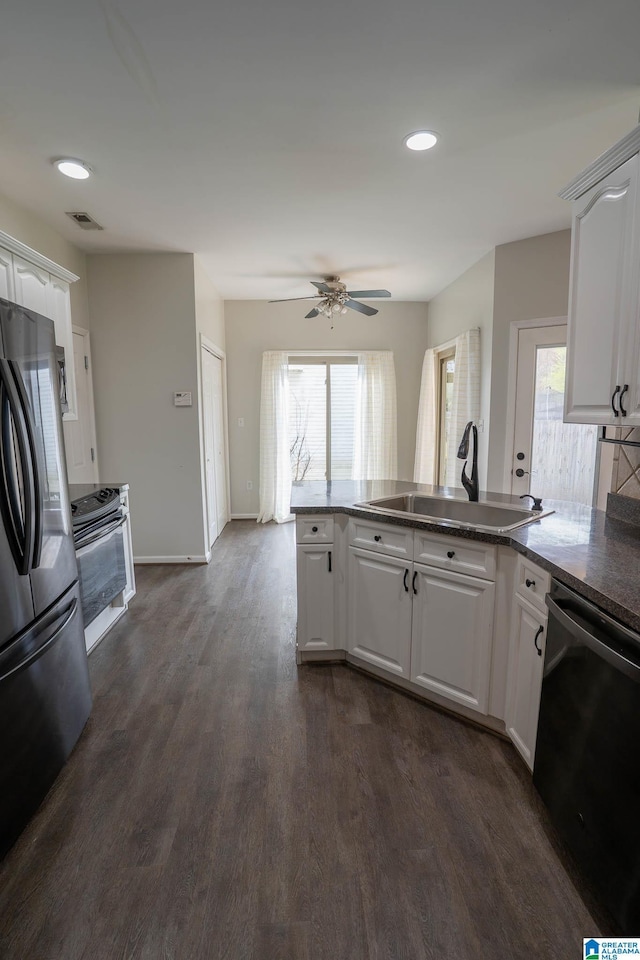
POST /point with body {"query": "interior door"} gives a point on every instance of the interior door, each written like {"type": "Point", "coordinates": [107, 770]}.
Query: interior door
{"type": "Point", "coordinates": [551, 459]}
{"type": "Point", "coordinates": [80, 434]}
{"type": "Point", "coordinates": [214, 444]}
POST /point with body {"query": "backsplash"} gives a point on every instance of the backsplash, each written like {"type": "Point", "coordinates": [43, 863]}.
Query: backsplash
{"type": "Point", "coordinates": [625, 477]}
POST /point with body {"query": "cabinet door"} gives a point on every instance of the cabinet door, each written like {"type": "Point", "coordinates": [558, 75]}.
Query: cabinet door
{"type": "Point", "coordinates": [30, 286]}
{"type": "Point", "coordinates": [6, 275]}
{"type": "Point", "coordinates": [380, 610]}
{"type": "Point", "coordinates": [524, 678]}
{"type": "Point", "coordinates": [452, 634]}
{"type": "Point", "coordinates": [601, 295]}
{"type": "Point", "coordinates": [315, 597]}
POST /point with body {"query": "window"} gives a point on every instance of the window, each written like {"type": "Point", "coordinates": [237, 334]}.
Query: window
{"type": "Point", "coordinates": [446, 373]}
{"type": "Point", "coordinates": [322, 416]}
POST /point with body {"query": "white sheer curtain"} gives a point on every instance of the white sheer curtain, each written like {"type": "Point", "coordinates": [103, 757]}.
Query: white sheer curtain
{"type": "Point", "coordinates": [465, 403]}
{"type": "Point", "coordinates": [376, 441]}
{"type": "Point", "coordinates": [275, 462]}
{"type": "Point", "coordinates": [426, 433]}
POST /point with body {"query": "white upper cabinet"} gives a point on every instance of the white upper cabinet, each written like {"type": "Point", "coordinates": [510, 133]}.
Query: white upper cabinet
{"type": "Point", "coordinates": [33, 281]}
{"type": "Point", "coordinates": [6, 276]}
{"type": "Point", "coordinates": [603, 345]}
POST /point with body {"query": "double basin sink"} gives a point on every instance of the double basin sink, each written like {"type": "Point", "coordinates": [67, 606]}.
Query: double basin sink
{"type": "Point", "coordinates": [488, 516]}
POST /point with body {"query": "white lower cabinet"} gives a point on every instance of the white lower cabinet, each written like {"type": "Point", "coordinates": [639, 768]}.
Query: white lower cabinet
{"type": "Point", "coordinates": [315, 575]}
{"type": "Point", "coordinates": [379, 610]}
{"type": "Point", "coordinates": [473, 643]}
{"type": "Point", "coordinates": [451, 637]}
{"type": "Point", "coordinates": [424, 624]}
{"type": "Point", "coordinates": [524, 678]}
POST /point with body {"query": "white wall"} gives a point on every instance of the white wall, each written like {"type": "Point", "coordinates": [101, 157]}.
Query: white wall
{"type": "Point", "coordinates": [208, 305]}
{"type": "Point", "coordinates": [144, 343]}
{"type": "Point", "coordinates": [467, 303]}
{"type": "Point", "coordinates": [531, 282]}
{"type": "Point", "coordinates": [253, 326]}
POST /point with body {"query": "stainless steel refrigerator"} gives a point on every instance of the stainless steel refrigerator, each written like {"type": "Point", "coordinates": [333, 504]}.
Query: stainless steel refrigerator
{"type": "Point", "coordinates": [45, 697]}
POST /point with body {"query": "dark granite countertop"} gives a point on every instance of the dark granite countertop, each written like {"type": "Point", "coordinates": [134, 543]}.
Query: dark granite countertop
{"type": "Point", "coordinates": [597, 556]}
{"type": "Point", "coordinates": [79, 490]}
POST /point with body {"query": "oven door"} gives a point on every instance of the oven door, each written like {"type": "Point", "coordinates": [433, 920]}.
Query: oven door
{"type": "Point", "coordinates": [101, 567]}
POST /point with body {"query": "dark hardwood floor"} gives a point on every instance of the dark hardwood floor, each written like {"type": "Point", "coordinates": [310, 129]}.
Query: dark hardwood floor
{"type": "Point", "coordinates": [223, 804]}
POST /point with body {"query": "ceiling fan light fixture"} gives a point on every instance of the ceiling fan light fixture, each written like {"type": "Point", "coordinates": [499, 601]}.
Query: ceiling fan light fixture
{"type": "Point", "coordinates": [72, 167]}
{"type": "Point", "coordinates": [421, 140]}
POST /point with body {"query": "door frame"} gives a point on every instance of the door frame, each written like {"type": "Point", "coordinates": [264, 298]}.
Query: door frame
{"type": "Point", "coordinates": [208, 345]}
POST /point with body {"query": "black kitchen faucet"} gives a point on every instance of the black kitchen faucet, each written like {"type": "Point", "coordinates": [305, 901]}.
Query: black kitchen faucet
{"type": "Point", "coordinates": [469, 483]}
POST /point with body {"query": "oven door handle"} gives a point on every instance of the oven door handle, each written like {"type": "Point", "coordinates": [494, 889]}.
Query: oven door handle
{"type": "Point", "coordinates": [612, 657]}
{"type": "Point", "coordinates": [99, 534]}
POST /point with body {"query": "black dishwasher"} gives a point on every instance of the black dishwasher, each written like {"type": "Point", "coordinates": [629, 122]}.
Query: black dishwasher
{"type": "Point", "coordinates": [587, 762]}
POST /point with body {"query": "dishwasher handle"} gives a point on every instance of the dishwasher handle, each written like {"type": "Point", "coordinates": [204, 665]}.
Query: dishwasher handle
{"type": "Point", "coordinates": [605, 652]}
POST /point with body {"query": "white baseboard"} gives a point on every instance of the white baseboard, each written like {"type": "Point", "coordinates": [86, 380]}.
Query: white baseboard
{"type": "Point", "coordinates": [244, 516]}
{"type": "Point", "coordinates": [194, 559]}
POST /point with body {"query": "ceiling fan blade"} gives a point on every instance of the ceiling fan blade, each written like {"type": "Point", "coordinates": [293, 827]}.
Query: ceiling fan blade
{"type": "Point", "coordinates": [321, 286]}
{"type": "Point", "coordinates": [313, 296]}
{"type": "Point", "coordinates": [368, 293]}
{"type": "Point", "coordinates": [361, 307]}
{"type": "Point", "coordinates": [312, 313]}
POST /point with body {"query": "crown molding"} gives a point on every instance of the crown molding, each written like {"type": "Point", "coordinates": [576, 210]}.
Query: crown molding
{"type": "Point", "coordinates": [605, 164]}
{"type": "Point", "coordinates": [22, 250]}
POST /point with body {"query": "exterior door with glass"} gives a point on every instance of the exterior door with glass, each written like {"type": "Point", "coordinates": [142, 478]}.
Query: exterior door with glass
{"type": "Point", "coordinates": [551, 459]}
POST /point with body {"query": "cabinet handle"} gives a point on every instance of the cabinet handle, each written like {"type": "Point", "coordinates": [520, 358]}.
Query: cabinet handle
{"type": "Point", "coordinates": [622, 409]}
{"type": "Point", "coordinates": [451, 554]}
{"type": "Point", "coordinates": [377, 538]}
{"type": "Point", "coordinates": [616, 413]}
{"type": "Point", "coordinates": [535, 639]}
{"type": "Point", "coordinates": [413, 582]}
{"type": "Point", "coordinates": [329, 556]}
{"type": "Point", "coordinates": [314, 529]}
{"type": "Point", "coordinates": [406, 587]}
{"type": "Point", "coordinates": [530, 583]}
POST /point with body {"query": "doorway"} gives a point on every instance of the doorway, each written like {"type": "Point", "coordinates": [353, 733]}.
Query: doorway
{"type": "Point", "coordinates": [80, 433]}
{"type": "Point", "coordinates": [213, 418]}
{"type": "Point", "coordinates": [550, 459]}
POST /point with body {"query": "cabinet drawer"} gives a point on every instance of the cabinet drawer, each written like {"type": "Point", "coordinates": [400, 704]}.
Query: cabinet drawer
{"type": "Point", "coordinates": [382, 537]}
{"type": "Point", "coordinates": [310, 529]}
{"type": "Point", "coordinates": [455, 553]}
{"type": "Point", "coordinates": [532, 583]}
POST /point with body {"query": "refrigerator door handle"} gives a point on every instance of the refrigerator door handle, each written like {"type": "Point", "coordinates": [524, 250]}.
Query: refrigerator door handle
{"type": "Point", "coordinates": [35, 466]}
{"type": "Point", "coordinates": [67, 616]}
{"type": "Point", "coordinates": [19, 528]}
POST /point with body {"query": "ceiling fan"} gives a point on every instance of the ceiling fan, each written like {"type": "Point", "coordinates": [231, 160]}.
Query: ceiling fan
{"type": "Point", "coordinates": [333, 298]}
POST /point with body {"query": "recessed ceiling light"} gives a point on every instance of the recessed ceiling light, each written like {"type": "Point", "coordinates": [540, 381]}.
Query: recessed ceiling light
{"type": "Point", "coordinates": [77, 169]}
{"type": "Point", "coordinates": [421, 140]}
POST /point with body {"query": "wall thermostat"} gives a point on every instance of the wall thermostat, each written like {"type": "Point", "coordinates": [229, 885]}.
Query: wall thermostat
{"type": "Point", "coordinates": [182, 399]}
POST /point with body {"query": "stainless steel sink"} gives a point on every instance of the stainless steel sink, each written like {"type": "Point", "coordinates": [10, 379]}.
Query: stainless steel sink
{"type": "Point", "coordinates": [493, 517]}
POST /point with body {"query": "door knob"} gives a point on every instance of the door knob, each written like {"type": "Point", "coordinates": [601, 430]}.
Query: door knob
{"type": "Point", "coordinates": [520, 472]}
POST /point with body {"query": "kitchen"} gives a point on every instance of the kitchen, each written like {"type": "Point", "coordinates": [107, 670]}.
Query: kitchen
{"type": "Point", "coordinates": [158, 788]}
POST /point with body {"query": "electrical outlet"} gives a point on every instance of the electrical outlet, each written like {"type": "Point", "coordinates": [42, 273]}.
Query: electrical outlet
{"type": "Point", "coordinates": [249, 484]}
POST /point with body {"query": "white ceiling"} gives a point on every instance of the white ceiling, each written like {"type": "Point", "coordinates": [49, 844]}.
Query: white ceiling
{"type": "Point", "coordinates": [267, 136]}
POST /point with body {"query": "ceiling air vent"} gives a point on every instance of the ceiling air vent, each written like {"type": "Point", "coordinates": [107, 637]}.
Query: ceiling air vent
{"type": "Point", "coordinates": [84, 221]}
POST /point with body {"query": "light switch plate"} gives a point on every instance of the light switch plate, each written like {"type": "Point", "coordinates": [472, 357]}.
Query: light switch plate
{"type": "Point", "coordinates": [182, 399]}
